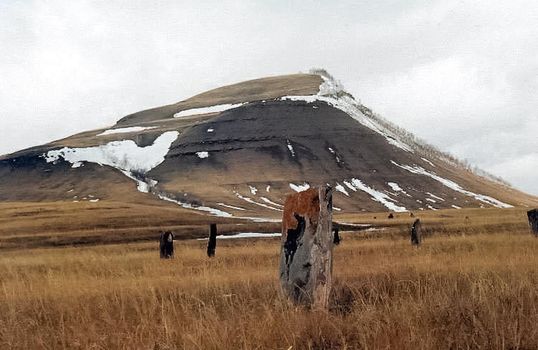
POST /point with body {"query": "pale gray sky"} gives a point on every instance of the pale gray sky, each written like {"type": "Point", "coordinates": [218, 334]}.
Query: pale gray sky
{"type": "Point", "coordinates": [463, 75]}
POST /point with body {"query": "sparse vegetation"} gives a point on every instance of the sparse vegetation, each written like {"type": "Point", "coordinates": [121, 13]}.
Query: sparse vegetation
{"type": "Point", "coordinates": [472, 284]}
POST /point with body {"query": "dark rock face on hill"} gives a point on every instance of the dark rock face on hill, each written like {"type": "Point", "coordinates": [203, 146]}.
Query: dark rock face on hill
{"type": "Point", "coordinates": [239, 150]}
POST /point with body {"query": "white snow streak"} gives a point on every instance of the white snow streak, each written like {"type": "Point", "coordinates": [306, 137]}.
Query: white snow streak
{"type": "Point", "coordinates": [253, 189]}
{"type": "Point", "coordinates": [454, 186]}
{"type": "Point", "coordinates": [434, 196]}
{"type": "Point", "coordinates": [209, 109]}
{"type": "Point", "coordinates": [213, 211]}
{"type": "Point", "coordinates": [126, 130]}
{"type": "Point", "coordinates": [202, 154]}
{"type": "Point", "coordinates": [335, 155]}
{"type": "Point", "coordinates": [299, 188]}
{"type": "Point", "coordinates": [268, 201]}
{"type": "Point", "coordinates": [427, 161]}
{"type": "Point", "coordinates": [246, 235]}
{"type": "Point", "coordinates": [250, 200]}
{"type": "Point", "coordinates": [376, 195]}
{"type": "Point", "coordinates": [141, 185]}
{"type": "Point", "coordinates": [290, 147]}
{"type": "Point", "coordinates": [230, 206]}
{"type": "Point", "coordinates": [395, 186]}
{"type": "Point", "coordinates": [342, 189]}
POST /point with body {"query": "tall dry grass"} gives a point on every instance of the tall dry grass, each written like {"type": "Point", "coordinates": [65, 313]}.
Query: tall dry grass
{"type": "Point", "coordinates": [457, 291]}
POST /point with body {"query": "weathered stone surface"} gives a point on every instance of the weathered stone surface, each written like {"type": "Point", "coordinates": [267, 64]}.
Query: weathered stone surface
{"type": "Point", "coordinates": [533, 220]}
{"type": "Point", "coordinates": [166, 245]}
{"type": "Point", "coordinates": [306, 250]}
{"type": "Point", "coordinates": [416, 234]}
{"type": "Point", "coordinates": [212, 241]}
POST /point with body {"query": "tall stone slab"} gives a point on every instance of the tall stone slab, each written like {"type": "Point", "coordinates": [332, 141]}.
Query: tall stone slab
{"type": "Point", "coordinates": [306, 247]}
{"type": "Point", "coordinates": [416, 233]}
{"type": "Point", "coordinates": [212, 240]}
{"type": "Point", "coordinates": [533, 221]}
{"type": "Point", "coordinates": [166, 245]}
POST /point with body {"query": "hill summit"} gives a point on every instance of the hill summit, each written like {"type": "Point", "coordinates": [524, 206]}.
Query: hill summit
{"type": "Point", "coordinates": [238, 150]}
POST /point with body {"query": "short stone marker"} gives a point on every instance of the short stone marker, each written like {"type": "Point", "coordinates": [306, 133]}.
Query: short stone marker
{"type": "Point", "coordinates": [212, 242]}
{"type": "Point", "coordinates": [336, 239]}
{"type": "Point", "coordinates": [166, 245]}
{"type": "Point", "coordinates": [306, 247]}
{"type": "Point", "coordinates": [416, 233]}
{"type": "Point", "coordinates": [533, 220]}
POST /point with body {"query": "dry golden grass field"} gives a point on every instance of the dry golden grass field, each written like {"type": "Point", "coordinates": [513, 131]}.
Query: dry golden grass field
{"type": "Point", "coordinates": [473, 284]}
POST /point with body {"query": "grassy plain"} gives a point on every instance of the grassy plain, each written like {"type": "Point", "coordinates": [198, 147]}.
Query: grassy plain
{"type": "Point", "coordinates": [472, 284]}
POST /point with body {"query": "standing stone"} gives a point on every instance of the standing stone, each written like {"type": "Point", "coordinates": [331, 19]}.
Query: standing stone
{"type": "Point", "coordinates": [416, 233]}
{"type": "Point", "coordinates": [306, 247]}
{"type": "Point", "coordinates": [533, 220]}
{"type": "Point", "coordinates": [166, 245]}
{"type": "Point", "coordinates": [212, 242]}
{"type": "Point", "coordinates": [336, 230]}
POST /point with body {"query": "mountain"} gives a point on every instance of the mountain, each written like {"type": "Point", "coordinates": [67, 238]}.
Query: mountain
{"type": "Point", "coordinates": [238, 150]}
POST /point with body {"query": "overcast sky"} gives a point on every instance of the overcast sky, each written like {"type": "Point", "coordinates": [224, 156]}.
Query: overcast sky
{"type": "Point", "coordinates": [463, 75]}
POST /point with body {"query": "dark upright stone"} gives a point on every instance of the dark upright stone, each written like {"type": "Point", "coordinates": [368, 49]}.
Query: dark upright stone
{"type": "Point", "coordinates": [336, 239]}
{"type": "Point", "coordinates": [166, 245]}
{"type": "Point", "coordinates": [306, 247]}
{"type": "Point", "coordinates": [212, 242]}
{"type": "Point", "coordinates": [533, 220]}
{"type": "Point", "coordinates": [415, 233]}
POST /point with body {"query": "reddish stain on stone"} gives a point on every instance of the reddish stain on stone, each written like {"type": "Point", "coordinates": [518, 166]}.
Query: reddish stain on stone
{"type": "Point", "coordinates": [305, 204]}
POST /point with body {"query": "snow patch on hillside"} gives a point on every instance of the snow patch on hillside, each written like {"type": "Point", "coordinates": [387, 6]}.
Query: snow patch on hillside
{"type": "Point", "coordinates": [209, 109]}
{"type": "Point", "coordinates": [290, 148]}
{"type": "Point", "coordinates": [125, 130]}
{"type": "Point", "coordinates": [123, 155]}
{"type": "Point", "coordinates": [202, 154]}
{"type": "Point", "coordinates": [341, 189]}
{"type": "Point", "coordinates": [299, 188]}
{"type": "Point", "coordinates": [230, 206]}
{"type": "Point", "coordinates": [143, 186]}
{"type": "Point", "coordinates": [251, 201]}
{"type": "Point", "coordinates": [377, 196]}
{"type": "Point", "coordinates": [427, 161]}
{"type": "Point", "coordinates": [454, 186]}
{"type": "Point", "coordinates": [210, 210]}
{"type": "Point", "coordinates": [434, 196]}
{"type": "Point", "coordinates": [268, 201]}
